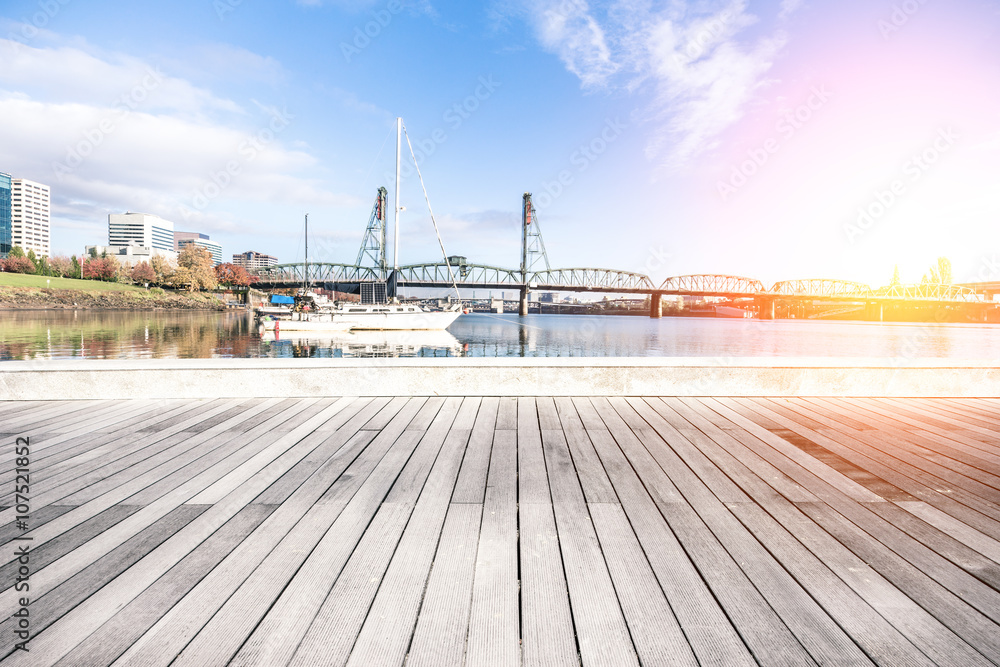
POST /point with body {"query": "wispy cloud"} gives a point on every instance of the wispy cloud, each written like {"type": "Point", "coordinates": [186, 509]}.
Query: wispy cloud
{"type": "Point", "coordinates": [696, 66]}
{"type": "Point", "coordinates": [568, 29]}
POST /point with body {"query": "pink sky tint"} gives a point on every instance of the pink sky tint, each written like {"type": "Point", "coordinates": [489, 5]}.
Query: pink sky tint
{"type": "Point", "coordinates": [930, 89]}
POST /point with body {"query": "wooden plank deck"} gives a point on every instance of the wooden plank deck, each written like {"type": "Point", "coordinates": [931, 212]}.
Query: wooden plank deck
{"type": "Point", "coordinates": [504, 531]}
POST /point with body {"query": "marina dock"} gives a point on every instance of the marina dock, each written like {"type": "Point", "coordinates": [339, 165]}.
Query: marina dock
{"type": "Point", "coordinates": [484, 530]}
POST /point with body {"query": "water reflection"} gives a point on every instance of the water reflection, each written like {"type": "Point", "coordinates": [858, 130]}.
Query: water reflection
{"type": "Point", "coordinates": [361, 344]}
{"type": "Point", "coordinates": [189, 335]}
{"type": "Point", "coordinates": [124, 335]}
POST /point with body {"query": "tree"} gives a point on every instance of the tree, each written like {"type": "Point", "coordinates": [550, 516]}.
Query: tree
{"type": "Point", "coordinates": [75, 270]}
{"type": "Point", "coordinates": [944, 270]}
{"type": "Point", "coordinates": [15, 251]}
{"type": "Point", "coordinates": [123, 273]}
{"type": "Point", "coordinates": [895, 276]}
{"type": "Point", "coordinates": [15, 264]}
{"type": "Point", "coordinates": [940, 273]}
{"type": "Point", "coordinates": [143, 273]}
{"type": "Point", "coordinates": [197, 263]}
{"type": "Point", "coordinates": [232, 275]}
{"type": "Point", "coordinates": [100, 268]}
{"type": "Point", "coordinates": [162, 269]}
{"type": "Point", "coordinates": [33, 259]}
{"type": "Point", "coordinates": [61, 265]}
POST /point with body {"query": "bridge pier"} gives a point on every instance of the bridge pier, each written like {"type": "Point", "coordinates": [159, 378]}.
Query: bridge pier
{"type": "Point", "coordinates": [765, 308]}
{"type": "Point", "coordinates": [523, 302]}
{"type": "Point", "coordinates": [875, 311]}
{"type": "Point", "coordinates": [655, 307]}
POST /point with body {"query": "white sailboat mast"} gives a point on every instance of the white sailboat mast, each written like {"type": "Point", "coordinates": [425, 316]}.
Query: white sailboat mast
{"type": "Point", "coordinates": [395, 223]}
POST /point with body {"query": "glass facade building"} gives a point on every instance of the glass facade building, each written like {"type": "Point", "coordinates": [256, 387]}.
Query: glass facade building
{"type": "Point", "coordinates": [5, 215]}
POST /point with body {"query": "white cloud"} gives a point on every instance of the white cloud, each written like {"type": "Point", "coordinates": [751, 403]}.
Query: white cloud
{"type": "Point", "coordinates": [112, 132]}
{"type": "Point", "coordinates": [567, 28]}
{"type": "Point", "coordinates": [695, 65]}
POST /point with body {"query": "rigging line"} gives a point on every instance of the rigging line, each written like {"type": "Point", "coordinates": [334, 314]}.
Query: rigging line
{"type": "Point", "coordinates": [364, 183]}
{"type": "Point", "coordinates": [444, 254]}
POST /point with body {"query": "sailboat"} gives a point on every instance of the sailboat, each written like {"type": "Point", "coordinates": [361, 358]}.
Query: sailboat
{"type": "Point", "coordinates": [313, 312]}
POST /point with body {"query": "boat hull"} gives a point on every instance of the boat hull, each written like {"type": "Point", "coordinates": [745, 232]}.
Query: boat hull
{"type": "Point", "coordinates": [370, 321]}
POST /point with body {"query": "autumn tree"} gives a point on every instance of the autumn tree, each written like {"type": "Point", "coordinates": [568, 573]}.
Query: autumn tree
{"type": "Point", "coordinates": [123, 273]}
{"type": "Point", "coordinates": [15, 264]}
{"type": "Point", "coordinates": [232, 275]}
{"type": "Point", "coordinates": [162, 269]}
{"type": "Point", "coordinates": [62, 266]}
{"type": "Point", "coordinates": [100, 268]}
{"type": "Point", "coordinates": [143, 273]}
{"type": "Point", "coordinates": [194, 268]}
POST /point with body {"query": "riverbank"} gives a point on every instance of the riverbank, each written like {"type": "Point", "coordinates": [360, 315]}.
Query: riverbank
{"type": "Point", "coordinates": [31, 298]}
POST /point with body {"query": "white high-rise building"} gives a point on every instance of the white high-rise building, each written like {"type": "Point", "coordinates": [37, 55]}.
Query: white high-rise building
{"type": "Point", "coordinates": [143, 230]}
{"type": "Point", "coordinates": [29, 220]}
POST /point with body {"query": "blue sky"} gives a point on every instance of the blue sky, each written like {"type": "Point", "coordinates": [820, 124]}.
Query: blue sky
{"type": "Point", "coordinates": [656, 137]}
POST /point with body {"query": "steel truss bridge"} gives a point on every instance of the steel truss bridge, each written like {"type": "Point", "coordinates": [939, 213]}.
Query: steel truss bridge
{"type": "Point", "coordinates": [535, 274]}
{"type": "Point", "coordinates": [482, 276]}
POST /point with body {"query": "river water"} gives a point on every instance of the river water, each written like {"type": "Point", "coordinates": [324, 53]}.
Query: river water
{"type": "Point", "coordinates": [43, 335]}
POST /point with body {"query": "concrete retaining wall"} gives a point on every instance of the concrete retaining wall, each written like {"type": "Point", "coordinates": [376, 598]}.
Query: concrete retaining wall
{"type": "Point", "coordinates": [216, 378]}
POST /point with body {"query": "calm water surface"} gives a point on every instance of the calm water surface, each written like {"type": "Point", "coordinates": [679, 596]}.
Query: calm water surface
{"type": "Point", "coordinates": [199, 335]}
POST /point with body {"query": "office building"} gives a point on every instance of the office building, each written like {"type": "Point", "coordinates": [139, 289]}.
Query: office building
{"type": "Point", "coordinates": [144, 230]}
{"type": "Point", "coordinates": [182, 239]}
{"type": "Point", "coordinates": [30, 216]}
{"type": "Point", "coordinates": [5, 215]}
{"type": "Point", "coordinates": [254, 261]}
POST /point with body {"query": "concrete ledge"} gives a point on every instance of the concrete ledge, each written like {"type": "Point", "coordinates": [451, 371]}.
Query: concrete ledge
{"type": "Point", "coordinates": [688, 376]}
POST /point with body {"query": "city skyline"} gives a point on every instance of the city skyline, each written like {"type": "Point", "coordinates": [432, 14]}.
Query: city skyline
{"type": "Point", "coordinates": [776, 140]}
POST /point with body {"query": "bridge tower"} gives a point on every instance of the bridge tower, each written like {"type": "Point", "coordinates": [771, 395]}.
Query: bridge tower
{"type": "Point", "coordinates": [532, 248]}
{"type": "Point", "coordinates": [372, 251]}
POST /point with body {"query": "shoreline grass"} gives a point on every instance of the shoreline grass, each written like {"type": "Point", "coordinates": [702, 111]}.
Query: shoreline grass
{"type": "Point", "coordinates": [47, 282]}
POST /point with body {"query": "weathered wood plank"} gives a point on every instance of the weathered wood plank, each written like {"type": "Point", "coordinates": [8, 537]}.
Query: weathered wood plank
{"type": "Point", "coordinates": [471, 484]}
{"type": "Point", "coordinates": [601, 631]}
{"type": "Point", "coordinates": [443, 620]}
{"type": "Point", "coordinates": [297, 575]}
{"type": "Point", "coordinates": [494, 617]}
{"type": "Point", "coordinates": [710, 634]}
{"type": "Point", "coordinates": [113, 638]}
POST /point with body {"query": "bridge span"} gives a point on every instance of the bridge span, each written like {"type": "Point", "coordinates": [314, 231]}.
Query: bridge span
{"type": "Point", "coordinates": [458, 272]}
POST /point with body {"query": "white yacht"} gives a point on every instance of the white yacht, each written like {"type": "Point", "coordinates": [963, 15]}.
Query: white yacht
{"type": "Point", "coordinates": [314, 312]}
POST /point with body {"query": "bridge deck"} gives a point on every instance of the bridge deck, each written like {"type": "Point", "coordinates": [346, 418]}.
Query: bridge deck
{"type": "Point", "coordinates": [504, 531]}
